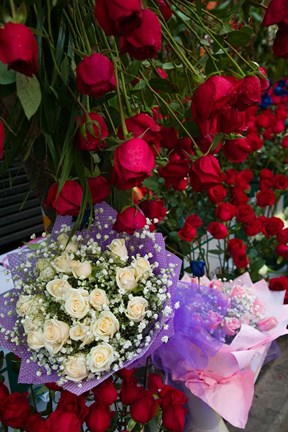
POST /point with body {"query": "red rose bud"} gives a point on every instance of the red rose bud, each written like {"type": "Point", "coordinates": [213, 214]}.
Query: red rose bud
{"type": "Point", "coordinates": [130, 391]}
{"type": "Point", "coordinates": [237, 150]}
{"type": "Point", "coordinates": [118, 17]}
{"type": "Point", "coordinates": [91, 131]}
{"type": "Point", "coordinates": [217, 193]}
{"type": "Point", "coordinates": [273, 225]}
{"type": "Point", "coordinates": [240, 260]}
{"type": "Point", "coordinates": [35, 423]}
{"type": "Point", "coordinates": [276, 12]}
{"type": "Point", "coordinates": [18, 48]}
{"type": "Point", "coordinates": [153, 209]}
{"type": "Point", "coordinates": [164, 9]}
{"type": "Point", "coordinates": [194, 220]}
{"type": "Point", "coordinates": [205, 173]}
{"type": "Point", "coordinates": [282, 251]}
{"type": "Point", "coordinates": [15, 410]}
{"type": "Point", "coordinates": [95, 75]}
{"type": "Point", "coordinates": [133, 162]}
{"type": "Point", "coordinates": [236, 246]}
{"type": "Point", "coordinates": [253, 228]}
{"type": "Point", "coordinates": [173, 418]}
{"type": "Point", "coordinates": [106, 392]}
{"type": "Point", "coordinates": [68, 200]}
{"type": "Point", "coordinates": [217, 230]}
{"type": "Point", "coordinates": [265, 198]}
{"type": "Point", "coordinates": [155, 383]}
{"type": "Point", "coordinates": [175, 173]}
{"type": "Point", "coordinates": [278, 283]}
{"type": "Point", "coordinates": [99, 188]}
{"type": "Point", "coordinates": [144, 409]}
{"type": "Point", "coordinates": [69, 402]}
{"type": "Point", "coordinates": [63, 421]}
{"type": "Point", "coordinates": [99, 417]}
{"type": "Point", "coordinates": [145, 127]}
{"type": "Point", "coordinates": [169, 137]}
{"type": "Point", "coordinates": [280, 182]}
{"type": "Point", "coordinates": [145, 42]}
{"type": "Point", "coordinates": [238, 197]}
{"type": "Point", "coordinates": [129, 220]}
{"type": "Point", "coordinates": [245, 213]}
{"type": "Point", "coordinates": [225, 211]}
{"type": "Point", "coordinates": [161, 72]}
{"type": "Point", "coordinates": [2, 139]}
{"type": "Point", "coordinates": [170, 397]}
{"type": "Point", "coordinates": [187, 233]}
{"type": "Point", "coordinates": [282, 236]}
{"type": "Point", "coordinates": [126, 375]}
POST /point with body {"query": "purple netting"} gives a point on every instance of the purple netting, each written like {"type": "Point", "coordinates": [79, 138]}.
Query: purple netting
{"type": "Point", "coordinates": [104, 218]}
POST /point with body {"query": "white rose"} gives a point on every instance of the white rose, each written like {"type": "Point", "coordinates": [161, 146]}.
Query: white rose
{"type": "Point", "coordinates": [59, 288]}
{"type": "Point", "coordinates": [82, 332]}
{"type": "Point", "coordinates": [126, 278]}
{"type": "Point", "coordinates": [47, 273]}
{"type": "Point", "coordinates": [105, 326]}
{"type": "Point", "coordinates": [75, 368]}
{"type": "Point", "coordinates": [98, 298]}
{"type": "Point", "coordinates": [142, 268]}
{"type": "Point", "coordinates": [81, 270]}
{"type": "Point", "coordinates": [100, 358]}
{"type": "Point", "coordinates": [70, 247]}
{"type": "Point", "coordinates": [35, 340]}
{"type": "Point", "coordinates": [30, 324]}
{"type": "Point", "coordinates": [42, 264]}
{"type": "Point", "coordinates": [56, 334]}
{"type": "Point", "coordinates": [136, 309]}
{"type": "Point", "coordinates": [76, 305]}
{"type": "Point", "coordinates": [118, 249]}
{"type": "Point", "coordinates": [24, 304]}
{"type": "Point", "coordinates": [62, 264]}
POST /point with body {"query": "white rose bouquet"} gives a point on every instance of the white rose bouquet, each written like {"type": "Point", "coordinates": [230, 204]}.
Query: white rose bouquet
{"type": "Point", "coordinates": [88, 304]}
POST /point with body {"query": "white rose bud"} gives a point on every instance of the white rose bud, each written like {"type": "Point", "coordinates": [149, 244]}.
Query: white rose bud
{"type": "Point", "coordinates": [24, 304]}
{"type": "Point", "coordinates": [62, 264]}
{"type": "Point", "coordinates": [35, 340]}
{"type": "Point", "coordinates": [70, 247]}
{"type": "Point", "coordinates": [42, 264]}
{"type": "Point", "coordinates": [100, 358]}
{"type": "Point", "coordinates": [98, 298]}
{"type": "Point", "coordinates": [76, 305]}
{"type": "Point", "coordinates": [75, 368]}
{"type": "Point", "coordinates": [59, 289]}
{"type": "Point", "coordinates": [118, 249]}
{"type": "Point", "coordinates": [47, 273]}
{"type": "Point", "coordinates": [126, 278]}
{"type": "Point", "coordinates": [142, 268]}
{"type": "Point", "coordinates": [81, 270]}
{"type": "Point", "coordinates": [105, 326]}
{"type": "Point", "coordinates": [136, 309]}
{"type": "Point", "coordinates": [56, 334]}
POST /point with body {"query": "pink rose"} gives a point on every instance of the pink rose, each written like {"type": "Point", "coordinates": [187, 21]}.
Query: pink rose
{"type": "Point", "coordinates": [230, 325]}
{"type": "Point", "coordinates": [257, 307]}
{"type": "Point", "coordinates": [238, 291]}
{"type": "Point", "coordinates": [267, 324]}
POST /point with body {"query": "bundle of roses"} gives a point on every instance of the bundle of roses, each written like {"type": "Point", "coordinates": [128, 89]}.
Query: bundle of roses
{"type": "Point", "coordinates": [88, 305]}
{"type": "Point", "coordinates": [117, 404]}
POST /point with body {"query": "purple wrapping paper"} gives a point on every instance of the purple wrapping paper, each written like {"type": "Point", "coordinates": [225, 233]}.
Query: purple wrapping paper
{"type": "Point", "coordinates": [103, 224]}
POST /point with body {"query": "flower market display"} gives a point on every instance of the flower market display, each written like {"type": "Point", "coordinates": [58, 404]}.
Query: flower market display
{"type": "Point", "coordinates": [154, 133]}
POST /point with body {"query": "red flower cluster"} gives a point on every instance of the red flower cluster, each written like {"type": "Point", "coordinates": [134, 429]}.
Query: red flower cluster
{"type": "Point", "coordinates": [188, 231]}
{"type": "Point", "coordinates": [14, 408]}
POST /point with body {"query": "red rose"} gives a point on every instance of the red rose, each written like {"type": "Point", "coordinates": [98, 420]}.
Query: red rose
{"type": "Point", "coordinates": [217, 230]}
{"type": "Point", "coordinates": [35, 423]}
{"type": "Point", "coordinates": [145, 42]}
{"type": "Point", "coordinates": [164, 9]}
{"type": "Point", "coordinates": [170, 397]}
{"type": "Point", "coordinates": [225, 211]}
{"type": "Point", "coordinates": [236, 246]}
{"type": "Point", "coordinates": [217, 193]}
{"type": "Point", "coordinates": [145, 127]}
{"type": "Point", "coordinates": [265, 198]}
{"type": "Point", "coordinates": [155, 383]}
{"type": "Point", "coordinates": [238, 197]}
{"type": "Point", "coordinates": [273, 225]}
{"type": "Point", "coordinates": [278, 283]}
{"type": "Point", "coordinates": [69, 402]}
{"type": "Point", "coordinates": [99, 417]}
{"type": "Point", "coordinates": [133, 163]}
{"type": "Point", "coordinates": [253, 228]}
{"type": "Point", "coordinates": [282, 250]}
{"type": "Point", "coordinates": [18, 48]}
{"type": "Point", "coordinates": [187, 233]}
{"type": "Point", "coordinates": [245, 213]}
{"type": "Point", "coordinates": [126, 375]}
{"type": "Point", "coordinates": [169, 137]}
{"type": "Point", "coordinates": [249, 93]}
{"type": "Point", "coordinates": [95, 75]}
{"type": "Point", "coordinates": [153, 209]}
{"type": "Point", "coordinates": [240, 260]}
{"type": "Point", "coordinates": [237, 150]}
{"type": "Point", "coordinates": [284, 143]}
{"type": "Point", "coordinates": [175, 173]}
{"type": "Point", "coordinates": [282, 236]}
{"type": "Point", "coordinates": [53, 386]}
{"type": "Point", "coordinates": [68, 200]}
{"type": "Point", "coordinates": [91, 131]}
{"type": "Point", "coordinates": [117, 17]}
{"type": "Point", "coordinates": [194, 220]}
{"type": "Point", "coordinates": [106, 392]}
{"type": "Point", "coordinates": [280, 46]}
{"type": "Point", "coordinates": [174, 418]}
{"type": "Point", "coordinates": [15, 410]}
{"type": "Point", "coordinates": [99, 188]}
{"type": "Point", "coordinates": [2, 139]}
{"type": "Point", "coordinates": [232, 120]}
{"type": "Point", "coordinates": [276, 12]}
{"type": "Point", "coordinates": [130, 391]}
{"type": "Point", "coordinates": [63, 421]}
{"type": "Point", "coordinates": [280, 182]}
{"type": "Point", "coordinates": [129, 220]}
{"type": "Point", "coordinates": [144, 409]}
{"type": "Point", "coordinates": [205, 173]}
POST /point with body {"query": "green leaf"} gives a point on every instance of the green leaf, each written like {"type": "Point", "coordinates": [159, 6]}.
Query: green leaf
{"type": "Point", "coordinates": [163, 84]}
{"type": "Point", "coordinates": [6, 76]}
{"type": "Point", "coordinates": [132, 70]}
{"type": "Point", "coordinates": [140, 85]}
{"type": "Point", "coordinates": [29, 93]}
{"type": "Point", "coordinates": [21, 14]}
{"type": "Point", "coordinates": [241, 37]}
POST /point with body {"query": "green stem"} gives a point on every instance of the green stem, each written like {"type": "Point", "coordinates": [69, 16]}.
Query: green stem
{"type": "Point", "coordinates": [13, 10]}
{"type": "Point", "coordinates": [121, 111]}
